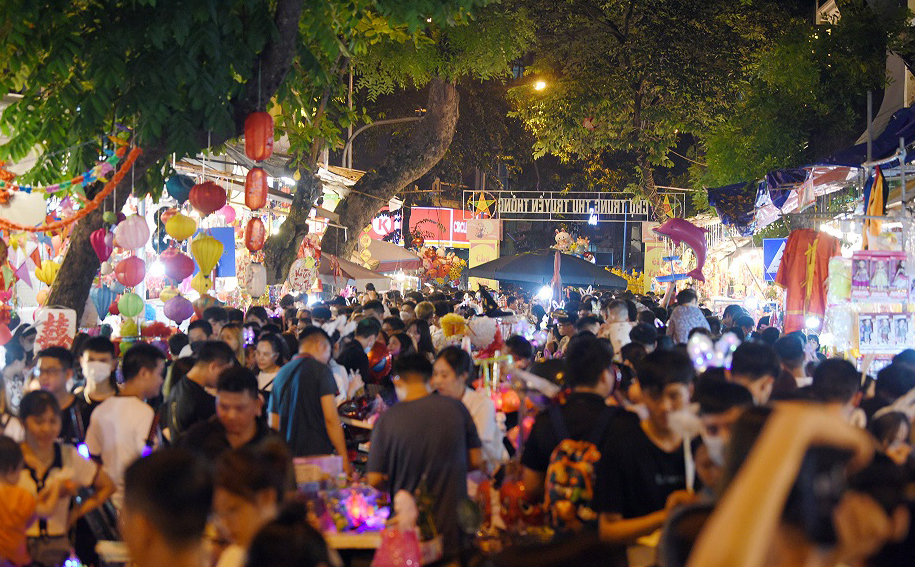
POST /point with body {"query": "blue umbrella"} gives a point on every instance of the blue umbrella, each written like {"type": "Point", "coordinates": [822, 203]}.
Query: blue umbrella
{"type": "Point", "coordinates": [102, 297]}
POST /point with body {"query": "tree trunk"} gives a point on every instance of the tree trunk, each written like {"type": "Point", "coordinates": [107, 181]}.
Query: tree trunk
{"type": "Point", "coordinates": [650, 190]}
{"type": "Point", "coordinates": [80, 264]}
{"type": "Point", "coordinates": [282, 248]}
{"type": "Point", "coordinates": [407, 162]}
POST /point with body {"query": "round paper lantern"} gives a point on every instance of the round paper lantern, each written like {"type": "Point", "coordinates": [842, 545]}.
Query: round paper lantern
{"type": "Point", "coordinates": [207, 197]}
{"type": "Point", "coordinates": [42, 297]}
{"type": "Point", "coordinates": [259, 136]}
{"type": "Point", "coordinates": [255, 280]}
{"type": "Point", "coordinates": [178, 265]}
{"type": "Point", "coordinates": [256, 188]}
{"type": "Point", "coordinates": [255, 235]}
{"type": "Point", "coordinates": [25, 208]}
{"type": "Point", "coordinates": [227, 213]}
{"type": "Point", "coordinates": [167, 214]}
{"type": "Point", "coordinates": [180, 227]}
{"type": "Point", "coordinates": [130, 271]}
{"type": "Point", "coordinates": [47, 272]}
{"type": "Point", "coordinates": [132, 232]}
{"type": "Point", "coordinates": [201, 283]}
{"type": "Point", "coordinates": [178, 309]}
{"type": "Point", "coordinates": [301, 277]}
{"type": "Point", "coordinates": [113, 308]}
{"type": "Point", "coordinates": [130, 305]}
{"type": "Point", "coordinates": [179, 187]}
{"type": "Point", "coordinates": [106, 268]}
{"type": "Point", "coordinates": [101, 244]}
{"type": "Point", "coordinates": [207, 251]}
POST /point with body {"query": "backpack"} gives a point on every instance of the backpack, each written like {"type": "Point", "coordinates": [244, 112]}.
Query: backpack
{"type": "Point", "coordinates": [571, 475]}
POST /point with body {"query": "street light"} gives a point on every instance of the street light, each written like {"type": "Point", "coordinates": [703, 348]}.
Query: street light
{"type": "Point", "coordinates": [539, 85]}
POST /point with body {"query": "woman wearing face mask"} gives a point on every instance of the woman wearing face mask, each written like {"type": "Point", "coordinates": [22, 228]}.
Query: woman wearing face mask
{"type": "Point", "coordinates": [25, 336]}
{"type": "Point", "coordinates": [452, 373]}
{"type": "Point", "coordinates": [249, 487]}
{"type": "Point", "coordinates": [270, 355]}
{"type": "Point", "coordinates": [47, 461]}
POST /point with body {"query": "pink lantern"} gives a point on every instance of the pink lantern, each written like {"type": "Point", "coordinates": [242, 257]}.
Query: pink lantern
{"type": "Point", "coordinates": [227, 213]}
{"type": "Point", "coordinates": [132, 233]}
{"type": "Point", "coordinates": [178, 309]}
{"type": "Point", "coordinates": [101, 244]}
{"type": "Point", "coordinates": [178, 265]}
{"type": "Point", "coordinates": [130, 271]}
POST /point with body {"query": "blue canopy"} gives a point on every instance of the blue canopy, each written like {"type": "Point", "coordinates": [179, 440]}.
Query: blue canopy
{"type": "Point", "coordinates": [901, 125]}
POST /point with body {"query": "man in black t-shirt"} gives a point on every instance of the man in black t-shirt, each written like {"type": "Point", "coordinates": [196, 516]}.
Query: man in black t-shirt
{"type": "Point", "coordinates": [355, 355]}
{"type": "Point", "coordinates": [236, 423]}
{"type": "Point", "coordinates": [643, 475]}
{"type": "Point", "coordinates": [188, 402]}
{"type": "Point", "coordinates": [592, 377]}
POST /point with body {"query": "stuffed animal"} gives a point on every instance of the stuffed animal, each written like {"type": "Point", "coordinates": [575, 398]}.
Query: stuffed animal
{"type": "Point", "coordinates": [563, 241]}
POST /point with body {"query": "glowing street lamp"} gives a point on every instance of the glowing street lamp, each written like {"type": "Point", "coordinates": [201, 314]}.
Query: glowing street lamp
{"type": "Point", "coordinates": [539, 85]}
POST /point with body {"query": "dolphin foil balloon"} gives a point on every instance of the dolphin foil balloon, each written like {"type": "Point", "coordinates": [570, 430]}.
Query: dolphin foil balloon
{"type": "Point", "coordinates": [681, 231]}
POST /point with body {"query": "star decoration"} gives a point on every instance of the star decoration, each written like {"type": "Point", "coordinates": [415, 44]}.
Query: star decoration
{"type": "Point", "coordinates": [482, 204]}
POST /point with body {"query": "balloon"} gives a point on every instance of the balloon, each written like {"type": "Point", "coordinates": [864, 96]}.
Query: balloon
{"type": "Point", "coordinates": [101, 244]}
{"type": "Point", "coordinates": [255, 279]}
{"type": "Point", "coordinates": [179, 187]}
{"type": "Point", "coordinates": [130, 271]}
{"type": "Point", "coordinates": [132, 233]}
{"type": "Point", "coordinates": [130, 305]}
{"type": "Point", "coordinates": [207, 197]}
{"type": "Point", "coordinates": [178, 265]}
{"type": "Point", "coordinates": [227, 213]}
{"type": "Point", "coordinates": [180, 227]}
{"type": "Point", "coordinates": [201, 283]}
{"type": "Point", "coordinates": [178, 309]}
{"type": "Point", "coordinates": [47, 272]}
{"type": "Point", "coordinates": [680, 230]}
{"type": "Point", "coordinates": [102, 297]}
{"type": "Point", "coordinates": [207, 251]}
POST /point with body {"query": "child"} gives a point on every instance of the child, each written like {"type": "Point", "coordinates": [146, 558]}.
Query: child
{"type": "Point", "coordinates": [18, 508]}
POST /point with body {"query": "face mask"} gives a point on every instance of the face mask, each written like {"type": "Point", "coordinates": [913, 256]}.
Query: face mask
{"type": "Point", "coordinates": [401, 392]}
{"type": "Point", "coordinates": [715, 446]}
{"type": "Point", "coordinates": [96, 372]}
{"type": "Point", "coordinates": [684, 422]}
{"type": "Point", "coordinates": [367, 349]}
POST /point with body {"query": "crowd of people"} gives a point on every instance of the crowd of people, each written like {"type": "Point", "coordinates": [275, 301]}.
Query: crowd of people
{"type": "Point", "coordinates": [779, 456]}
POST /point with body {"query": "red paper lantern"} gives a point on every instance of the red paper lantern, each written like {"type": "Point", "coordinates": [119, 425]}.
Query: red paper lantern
{"type": "Point", "coordinates": [259, 136]}
{"type": "Point", "coordinates": [130, 271]}
{"type": "Point", "coordinates": [113, 308]}
{"type": "Point", "coordinates": [178, 266]}
{"type": "Point", "coordinates": [207, 197]}
{"type": "Point", "coordinates": [256, 188]}
{"type": "Point", "coordinates": [255, 235]}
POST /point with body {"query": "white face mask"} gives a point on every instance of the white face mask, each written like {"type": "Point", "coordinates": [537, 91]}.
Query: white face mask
{"type": "Point", "coordinates": [684, 422]}
{"type": "Point", "coordinates": [401, 392]}
{"type": "Point", "coordinates": [715, 446]}
{"type": "Point", "coordinates": [96, 372]}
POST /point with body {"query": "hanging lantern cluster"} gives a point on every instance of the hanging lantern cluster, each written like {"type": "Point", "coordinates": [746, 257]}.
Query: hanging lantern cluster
{"type": "Point", "coordinates": [259, 136]}
{"type": "Point", "coordinates": [206, 251]}
{"type": "Point", "coordinates": [255, 235]}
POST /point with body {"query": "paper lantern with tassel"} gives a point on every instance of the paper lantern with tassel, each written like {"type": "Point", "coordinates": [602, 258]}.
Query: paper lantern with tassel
{"type": "Point", "coordinates": [102, 297]}
{"type": "Point", "coordinates": [101, 244]}
{"type": "Point", "coordinates": [178, 265]}
{"type": "Point", "coordinates": [201, 283]}
{"type": "Point", "coordinates": [259, 136]}
{"type": "Point", "coordinates": [207, 197]}
{"type": "Point", "coordinates": [132, 233]}
{"type": "Point", "coordinates": [255, 235]}
{"type": "Point", "coordinates": [256, 188]}
{"type": "Point", "coordinates": [47, 273]}
{"type": "Point", "coordinates": [202, 303]}
{"type": "Point", "coordinates": [130, 271]}
{"type": "Point", "coordinates": [178, 309]}
{"type": "Point", "coordinates": [180, 227]}
{"type": "Point", "coordinates": [130, 305]}
{"type": "Point", "coordinates": [207, 251]}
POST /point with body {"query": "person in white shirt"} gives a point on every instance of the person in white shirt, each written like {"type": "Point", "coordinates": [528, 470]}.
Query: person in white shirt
{"type": "Point", "coordinates": [450, 377]}
{"type": "Point", "coordinates": [122, 427]}
{"type": "Point", "coordinates": [616, 326]}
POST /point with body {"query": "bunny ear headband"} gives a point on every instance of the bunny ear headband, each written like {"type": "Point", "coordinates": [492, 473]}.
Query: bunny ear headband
{"type": "Point", "coordinates": [706, 353]}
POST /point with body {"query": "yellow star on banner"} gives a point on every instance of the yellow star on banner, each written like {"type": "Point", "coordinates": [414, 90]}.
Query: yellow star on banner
{"type": "Point", "coordinates": [482, 204]}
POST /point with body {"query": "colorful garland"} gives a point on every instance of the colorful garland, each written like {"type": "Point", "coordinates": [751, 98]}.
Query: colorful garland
{"type": "Point", "coordinates": [90, 205]}
{"type": "Point", "coordinates": [97, 173]}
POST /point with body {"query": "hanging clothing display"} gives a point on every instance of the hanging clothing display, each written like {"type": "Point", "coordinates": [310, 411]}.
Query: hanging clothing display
{"type": "Point", "coordinates": [802, 273]}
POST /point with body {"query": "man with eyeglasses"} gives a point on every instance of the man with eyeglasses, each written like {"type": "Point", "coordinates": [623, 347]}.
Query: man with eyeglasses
{"type": "Point", "coordinates": [53, 371]}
